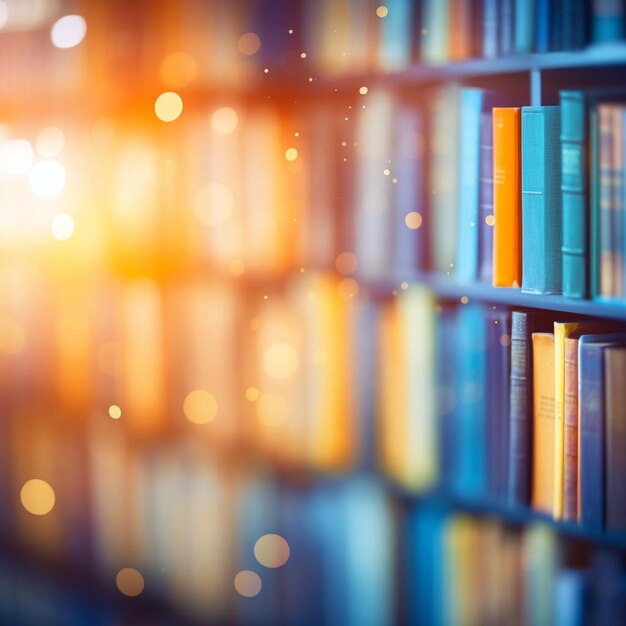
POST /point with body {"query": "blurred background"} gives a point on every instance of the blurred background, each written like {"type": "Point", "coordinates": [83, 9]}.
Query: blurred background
{"type": "Point", "coordinates": [210, 340]}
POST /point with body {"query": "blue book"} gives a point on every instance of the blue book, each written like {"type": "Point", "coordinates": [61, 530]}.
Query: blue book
{"type": "Point", "coordinates": [524, 26]}
{"type": "Point", "coordinates": [569, 598]}
{"type": "Point", "coordinates": [396, 36]}
{"type": "Point", "coordinates": [447, 386]}
{"type": "Point", "coordinates": [574, 185]}
{"type": "Point", "coordinates": [469, 159]}
{"type": "Point", "coordinates": [490, 28]}
{"type": "Point", "coordinates": [470, 467]}
{"type": "Point", "coordinates": [542, 25]}
{"type": "Point", "coordinates": [407, 191]}
{"type": "Point", "coordinates": [506, 30]}
{"type": "Point", "coordinates": [498, 373]}
{"type": "Point", "coordinates": [541, 199]}
{"type": "Point", "coordinates": [592, 458]}
{"type": "Point", "coordinates": [607, 21]}
{"type": "Point", "coordinates": [485, 200]}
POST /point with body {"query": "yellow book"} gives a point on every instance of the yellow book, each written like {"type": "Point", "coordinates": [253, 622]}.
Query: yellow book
{"type": "Point", "coordinates": [543, 422]}
{"type": "Point", "coordinates": [562, 330]}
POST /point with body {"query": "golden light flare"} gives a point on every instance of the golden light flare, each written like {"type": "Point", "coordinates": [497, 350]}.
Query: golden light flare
{"type": "Point", "coordinates": [490, 220]}
{"type": "Point", "coordinates": [130, 581]}
{"type": "Point", "coordinates": [168, 106]}
{"type": "Point", "coordinates": [248, 583]}
{"type": "Point", "coordinates": [50, 142]}
{"type": "Point", "coordinates": [291, 154]}
{"type": "Point", "coordinates": [363, 90]}
{"type": "Point", "coordinates": [252, 394]}
{"type": "Point", "coordinates": [346, 263]}
{"type": "Point", "coordinates": [62, 226]}
{"type": "Point", "coordinates": [272, 550]}
{"type": "Point", "coordinates": [47, 178]}
{"type": "Point", "coordinates": [37, 497]}
{"type": "Point", "coordinates": [16, 157]}
{"type": "Point", "coordinates": [348, 288]}
{"type": "Point", "coordinates": [200, 406]}
{"type": "Point", "coordinates": [382, 11]}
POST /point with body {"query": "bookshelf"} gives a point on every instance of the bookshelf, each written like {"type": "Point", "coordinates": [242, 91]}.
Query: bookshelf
{"type": "Point", "coordinates": [257, 460]}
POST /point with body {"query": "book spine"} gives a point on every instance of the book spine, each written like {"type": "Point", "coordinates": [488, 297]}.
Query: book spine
{"type": "Point", "coordinates": [618, 203]}
{"type": "Point", "coordinates": [395, 45]}
{"type": "Point", "coordinates": [485, 199]}
{"type": "Point", "coordinates": [607, 21]}
{"type": "Point", "coordinates": [541, 200]}
{"type": "Point", "coordinates": [542, 25]}
{"type": "Point", "coordinates": [506, 27]}
{"type": "Point", "coordinates": [520, 409]}
{"type": "Point", "coordinates": [605, 199]}
{"type": "Point", "coordinates": [524, 26]}
{"type": "Point", "coordinates": [591, 395]}
{"type": "Point", "coordinates": [615, 372]}
{"type": "Point", "coordinates": [467, 232]}
{"type": "Point", "coordinates": [490, 28]}
{"type": "Point", "coordinates": [574, 194]}
{"type": "Point", "coordinates": [594, 205]}
{"type": "Point", "coordinates": [570, 459]}
{"type": "Point", "coordinates": [507, 263]}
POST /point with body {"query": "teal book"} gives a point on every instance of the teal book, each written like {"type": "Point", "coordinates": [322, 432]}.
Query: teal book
{"type": "Point", "coordinates": [396, 36]}
{"type": "Point", "coordinates": [541, 200]}
{"type": "Point", "coordinates": [469, 183]}
{"type": "Point", "coordinates": [574, 190]}
{"type": "Point", "coordinates": [435, 36]}
{"type": "Point", "coordinates": [607, 20]}
{"type": "Point", "coordinates": [524, 35]}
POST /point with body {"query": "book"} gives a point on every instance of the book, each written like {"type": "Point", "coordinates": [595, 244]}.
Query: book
{"type": "Point", "coordinates": [543, 422]}
{"type": "Point", "coordinates": [523, 325]}
{"type": "Point", "coordinates": [466, 267]}
{"type": "Point", "coordinates": [490, 28]}
{"type": "Point", "coordinates": [524, 26]}
{"type": "Point", "coordinates": [574, 187]}
{"type": "Point", "coordinates": [591, 430]}
{"type": "Point", "coordinates": [498, 366]}
{"type": "Point", "coordinates": [485, 199]}
{"type": "Point", "coordinates": [507, 199]}
{"type": "Point", "coordinates": [541, 200]}
{"type": "Point", "coordinates": [435, 42]}
{"type": "Point", "coordinates": [395, 35]}
{"type": "Point", "coordinates": [607, 20]}
{"type": "Point", "coordinates": [570, 437]}
{"type": "Point", "coordinates": [615, 424]}
{"type": "Point", "coordinates": [460, 29]}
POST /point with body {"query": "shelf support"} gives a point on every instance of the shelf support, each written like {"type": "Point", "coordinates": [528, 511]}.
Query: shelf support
{"type": "Point", "coordinates": [535, 87]}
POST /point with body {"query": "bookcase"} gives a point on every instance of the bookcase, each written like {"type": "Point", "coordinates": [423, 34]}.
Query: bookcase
{"type": "Point", "coordinates": [259, 320]}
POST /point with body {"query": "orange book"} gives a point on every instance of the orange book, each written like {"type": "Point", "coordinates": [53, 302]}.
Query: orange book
{"type": "Point", "coordinates": [543, 422]}
{"type": "Point", "coordinates": [507, 198]}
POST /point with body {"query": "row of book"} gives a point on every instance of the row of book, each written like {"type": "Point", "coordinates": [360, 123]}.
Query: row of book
{"type": "Point", "coordinates": [520, 407]}
{"type": "Point", "coordinates": [536, 200]}
{"type": "Point", "coordinates": [190, 525]}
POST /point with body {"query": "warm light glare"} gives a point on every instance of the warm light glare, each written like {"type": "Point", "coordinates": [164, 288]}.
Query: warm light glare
{"type": "Point", "coordinates": [252, 394]}
{"type": "Point", "coordinates": [16, 157]}
{"type": "Point", "coordinates": [115, 412]}
{"type": "Point", "coordinates": [248, 584]}
{"type": "Point", "coordinates": [363, 90]}
{"type": "Point", "coordinates": [346, 263]}
{"type": "Point", "coordinates": [280, 361]}
{"type": "Point", "coordinates": [50, 142]}
{"type": "Point", "coordinates": [224, 120]}
{"type": "Point", "coordinates": [68, 31]}
{"type": "Point", "coordinates": [37, 497]}
{"type": "Point", "coordinates": [413, 220]}
{"type": "Point", "coordinates": [272, 551]}
{"type": "Point", "coordinates": [490, 220]}
{"type": "Point", "coordinates": [129, 581]}
{"type": "Point", "coordinates": [249, 44]}
{"type": "Point", "coordinates": [47, 178]}
{"type": "Point", "coordinates": [200, 407]}
{"type": "Point", "coordinates": [382, 11]}
{"type": "Point", "coordinates": [168, 106]}
{"type": "Point", "coordinates": [291, 154]}
{"type": "Point", "coordinates": [178, 69]}
{"type": "Point", "coordinates": [62, 226]}
{"type": "Point", "coordinates": [348, 288]}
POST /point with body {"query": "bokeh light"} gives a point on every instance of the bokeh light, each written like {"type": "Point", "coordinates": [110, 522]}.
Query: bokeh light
{"type": "Point", "coordinates": [16, 157]}
{"type": "Point", "coordinates": [178, 69]}
{"type": "Point", "coordinates": [50, 142]}
{"type": "Point", "coordinates": [37, 497]}
{"type": "Point", "coordinates": [413, 220]}
{"type": "Point", "coordinates": [291, 154]}
{"type": "Point", "coordinates": [249, 44]}
{"type": "Point", "coordinates": [200, 406]}
{"type": "Point", "coordinates": [47, 178]}
{"type": "Point", "coordinates": [62, 226]}
{"type": "Point", "coordinates": [272, 409]}
{"type": "Point", "coordinates": [224, 120]}
{"type": "Point", "coordinates": [346, 263]}
{"type": "Point", "coordinates": [168, 106]}
{"type": "Point", "coordinates": [248, 583]}
{"type": "Point", "coordinates": [382, 11]}
{"type": "Point", "coordinates": [130, 581]}
{"type": "Point", "coordinates": [280, 361]}
{"type": "Point", "coordinates": [68, 31]}
{"type": "Point", "coordinates": [115, 412]}
{"type": "Point", "coordinates": [272, 550]}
